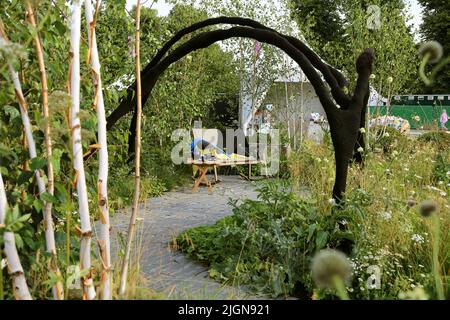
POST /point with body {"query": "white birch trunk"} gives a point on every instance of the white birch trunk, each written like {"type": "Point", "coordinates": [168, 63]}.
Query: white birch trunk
{"type": "Point", "coordinates": [27, 125]}
{"type": "Point", "coordinates": [104, 229]}
{"type": "Point", "coordinates": [77, 149]}
{"type": "Point", "coordinates": [58, 292]}
{"type": "Point", "coordinates": [20, 286]}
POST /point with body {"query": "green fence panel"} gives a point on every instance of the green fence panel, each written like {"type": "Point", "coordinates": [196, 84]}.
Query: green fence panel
{"type": "Point", "coordinates": [429, 114]}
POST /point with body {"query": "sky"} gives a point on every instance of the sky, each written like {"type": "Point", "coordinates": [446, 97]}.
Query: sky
{"type": "Point", "coordinates": [163, 9]}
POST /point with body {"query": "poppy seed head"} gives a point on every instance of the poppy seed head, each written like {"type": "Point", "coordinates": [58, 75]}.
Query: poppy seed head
{"type": "Point", "coordinates": [435, 50]}
{"type": "Point", "coordinates": [411, 203]}
{"type": "Point", "coordinates": [427, 207]}
{"type": "Point", "coordinates": [330, 263]}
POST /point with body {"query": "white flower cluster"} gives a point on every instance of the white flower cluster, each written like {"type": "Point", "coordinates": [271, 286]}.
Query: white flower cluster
{"type": "Point", "coordinates": [386, 215]}
{"type": "Point", "coordinates": [11, 51]}
{"type": "Point", "coordinates": [417, 238]}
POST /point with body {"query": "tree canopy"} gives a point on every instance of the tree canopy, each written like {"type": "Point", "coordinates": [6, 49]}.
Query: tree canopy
{"type": "Point", "coordinates": [338, 30]}
{"type": "Point", "coordinates": [435, 27]}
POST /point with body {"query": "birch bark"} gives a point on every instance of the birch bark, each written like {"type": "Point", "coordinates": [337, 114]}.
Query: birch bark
{"type": "Point", "coordinates": [102, 184]}
{"type": "Point", "coordinates": [20, 286]}
{"type": "Point", "coordinates": [77, 149]}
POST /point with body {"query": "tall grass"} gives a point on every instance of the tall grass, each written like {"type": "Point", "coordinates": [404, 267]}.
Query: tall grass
{"type": "Point", "coordinates": [392, 234]}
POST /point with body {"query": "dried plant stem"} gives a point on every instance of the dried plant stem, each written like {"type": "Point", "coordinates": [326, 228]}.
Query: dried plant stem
{"type": "Point", "coordinates": [77, 149]}
{"type": "Point", "coordinates": [58, 290]}
{"type": "Point", "coordinates": [435, 262]}
{"type": "Point", "coordinates": [104, 229]}
{"type": "Point", "coordinates": [422, 66]}
{"type": "Point", "coordinates": [20, 286]}
{"type": "Point", "coordinates": [135, 207]}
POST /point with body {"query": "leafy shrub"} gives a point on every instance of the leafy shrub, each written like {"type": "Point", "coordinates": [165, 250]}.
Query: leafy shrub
{"type": "Point", "coordinates": [390, 241]}
{"type": "Point", "coordinates": [440, 139]}
{"type": "Point", "coordinates": [267, 243]}
{"type": "Point", "coordinates": [387, 139]}
{"type": "Point", "coordinates": [122, 187]}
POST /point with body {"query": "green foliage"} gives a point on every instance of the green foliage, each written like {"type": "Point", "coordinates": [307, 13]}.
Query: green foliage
{"type": "Point", "coordinates": [435, 27]}
{"type": "Point", "coordinates": [440, 139]}
{"type": "Point", "coordinates": [266, 243]}
{"type": "Point", "coordinates": [441, 170]}
{"type": "Point", "coordinates": [185, 93]}
{"type": "Point", "coordinates": [388, 139]}
{"type": "Point", "coordinates": [338, 31]}
{"type": "Point", "coordinates": [322, 19]}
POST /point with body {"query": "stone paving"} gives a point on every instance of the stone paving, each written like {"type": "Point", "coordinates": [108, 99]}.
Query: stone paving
{"type": "Point", "coordinates": [163, 218]}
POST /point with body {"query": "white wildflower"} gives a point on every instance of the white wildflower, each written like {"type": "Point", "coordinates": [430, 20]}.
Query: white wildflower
{"type": "Point", "coordinates": [417, 238]}
{"type": "Point", "coordinates": [386, 215]}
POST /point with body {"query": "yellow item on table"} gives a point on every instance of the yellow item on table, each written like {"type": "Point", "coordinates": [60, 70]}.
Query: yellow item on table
{"type": "Point", "coordinates": [222, 156]}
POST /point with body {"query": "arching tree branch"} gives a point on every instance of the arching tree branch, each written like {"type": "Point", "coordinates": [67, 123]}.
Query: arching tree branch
{"type": "Point", "coordinates": [344, 123]}
{"type": "Point", "coordinates": [334, 78]}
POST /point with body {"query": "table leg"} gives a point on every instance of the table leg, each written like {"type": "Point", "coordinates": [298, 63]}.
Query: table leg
{"type": "Point", "coordinates": [198, 180]}
{"type": "Point", "coordinates": [215, 174]}
{"type": "Point", "coordinates": [203, 170]}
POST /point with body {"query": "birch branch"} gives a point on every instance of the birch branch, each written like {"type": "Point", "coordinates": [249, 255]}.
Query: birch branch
{"type": "Point", "coordinates": [102, 184]}
{"type": "Point", "coordinates": [58, 290]}
{"type": "Point", "coordinates": [20, 286]}
{"type": "Point", "coordinates": [135, 207]}
{"type": "Point", "coordinates": [77, 149]}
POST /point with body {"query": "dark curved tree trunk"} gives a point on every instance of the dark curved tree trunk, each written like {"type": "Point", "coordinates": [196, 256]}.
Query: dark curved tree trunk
{"type": "Point", "coordinates": [358, 157]}
{"type": "Point", "coordinates": [344, 122]}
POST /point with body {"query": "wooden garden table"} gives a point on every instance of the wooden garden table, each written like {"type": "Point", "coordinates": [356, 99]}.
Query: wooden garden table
{"type": "Point", "coordinates": [204, 165]}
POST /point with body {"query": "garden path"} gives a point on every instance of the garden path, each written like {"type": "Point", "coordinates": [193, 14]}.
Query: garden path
{"type": "Point", "coordinates": [163, 218]}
